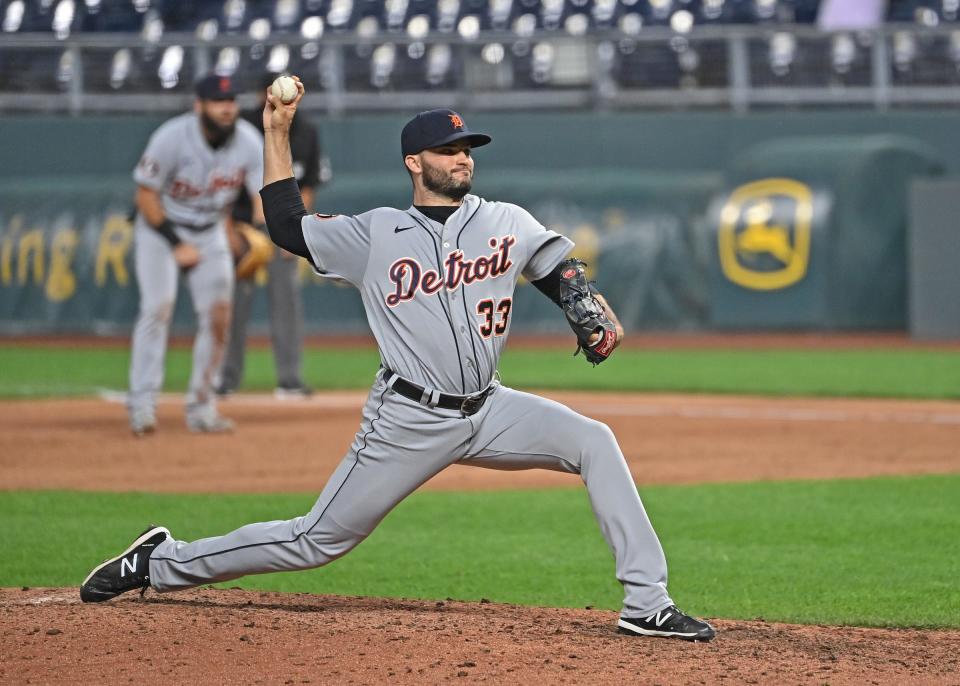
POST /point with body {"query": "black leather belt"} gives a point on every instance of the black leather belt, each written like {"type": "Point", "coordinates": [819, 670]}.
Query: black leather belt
{"type": "Point", "coordinates": [197, 228]}
{"type": "Point", "coordinates": [467, 404]}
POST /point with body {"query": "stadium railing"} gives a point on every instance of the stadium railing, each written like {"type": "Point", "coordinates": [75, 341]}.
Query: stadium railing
{"type": "Point", "coordinates": [737, 67]}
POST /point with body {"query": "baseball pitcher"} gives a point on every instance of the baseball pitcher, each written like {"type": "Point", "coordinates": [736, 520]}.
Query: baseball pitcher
{"type": "Point", "coordinates": [437, 281]}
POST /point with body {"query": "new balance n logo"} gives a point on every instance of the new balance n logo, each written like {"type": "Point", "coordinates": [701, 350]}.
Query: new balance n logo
{"type": "Point", "coordinates": [130, 564]}
{"type": "Point", "coordinates": [661, 617]}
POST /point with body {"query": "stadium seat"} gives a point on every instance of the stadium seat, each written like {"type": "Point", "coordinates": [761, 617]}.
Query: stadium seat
{"type": "Point", "coordinates": [395, 44]}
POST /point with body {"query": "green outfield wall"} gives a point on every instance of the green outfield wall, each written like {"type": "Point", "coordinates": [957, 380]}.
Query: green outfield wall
{"type": "Point", "coordinates": [643, 195]}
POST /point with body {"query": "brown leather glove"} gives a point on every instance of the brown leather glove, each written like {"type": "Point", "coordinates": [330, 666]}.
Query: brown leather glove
{"type": "Point", "coordinates": [256, 250]}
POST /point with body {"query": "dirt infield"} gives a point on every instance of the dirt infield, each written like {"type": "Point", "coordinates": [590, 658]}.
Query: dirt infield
{"type": "Point", "coordinates": [209, 636]}
{"type": "Point", "coordinates": [667, 439]}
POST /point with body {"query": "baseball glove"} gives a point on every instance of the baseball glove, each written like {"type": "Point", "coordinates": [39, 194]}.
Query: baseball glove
{"type": "Point", "coordinates": [256, 250]}
{"type": "Point", "coordinates": [584, 313]}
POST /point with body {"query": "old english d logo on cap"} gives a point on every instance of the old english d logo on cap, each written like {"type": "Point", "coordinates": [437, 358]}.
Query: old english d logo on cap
{"type": "Point", "coordinates": [215, 87]}
{"type": "Point", "coordinates": [764, 236]}
{"type": "Point", "coordinates": [434, 128]}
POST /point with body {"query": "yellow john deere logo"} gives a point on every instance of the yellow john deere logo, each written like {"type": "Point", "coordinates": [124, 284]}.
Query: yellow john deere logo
{"type": "Point", "coordinates": [765, 234]}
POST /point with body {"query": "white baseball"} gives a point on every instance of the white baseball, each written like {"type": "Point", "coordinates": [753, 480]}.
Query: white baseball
{"type": "Point", "coordinates": [284, 88]}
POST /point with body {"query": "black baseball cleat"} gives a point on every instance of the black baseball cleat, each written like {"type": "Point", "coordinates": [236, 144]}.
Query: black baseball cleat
{"type": "Point", "coordinates": [669, 622]}
{"type": "Point", "coordinates": [128, 571]}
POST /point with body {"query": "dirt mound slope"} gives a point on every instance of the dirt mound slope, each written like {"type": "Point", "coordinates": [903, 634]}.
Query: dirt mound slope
{"type": "Point", "coordinates": [231, 636]}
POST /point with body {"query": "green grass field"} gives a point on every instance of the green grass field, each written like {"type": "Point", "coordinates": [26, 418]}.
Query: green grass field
{"type": "Point", "coordinates": [877, 552]}
{"type": "Point", "coordinates": [52, 371]}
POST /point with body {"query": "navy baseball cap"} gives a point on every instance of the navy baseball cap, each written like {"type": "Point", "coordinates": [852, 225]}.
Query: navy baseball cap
{"type": "Point", "coordinates": [214, 87]}
{"type": "Point", "coordinates": [434, 128]}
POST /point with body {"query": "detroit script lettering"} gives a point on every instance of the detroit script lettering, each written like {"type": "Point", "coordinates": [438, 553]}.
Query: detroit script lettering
{"type": "Point", "coordinates": [183, 188]}
{"type": "Point", "coordinates": [408, 277]}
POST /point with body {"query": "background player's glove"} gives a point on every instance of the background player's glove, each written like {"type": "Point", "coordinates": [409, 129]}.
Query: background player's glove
{"type": "Point", "coordinates": [256, 250]}
{"type": "Point", "coordinates": [585, 314]}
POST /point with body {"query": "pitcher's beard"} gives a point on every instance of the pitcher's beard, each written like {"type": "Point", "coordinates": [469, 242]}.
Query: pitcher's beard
{"type": "Point", "coordinates": [217, 134]}
{"type": "Point", "coordinates": [434, 180]}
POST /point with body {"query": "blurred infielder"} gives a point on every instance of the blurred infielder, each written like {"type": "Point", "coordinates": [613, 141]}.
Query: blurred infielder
{"type": "Point", "coordinates": [437, 282]}
{"type": "Point", "coordinates": [189, 175]}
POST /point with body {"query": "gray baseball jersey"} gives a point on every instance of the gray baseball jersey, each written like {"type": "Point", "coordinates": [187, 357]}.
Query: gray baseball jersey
{"type": "Point", "coordinates": [196, 184]}
{"type": "Point", "coordinates": [453, 280]}
{"type": "Point", "coordinates": [438, 298]}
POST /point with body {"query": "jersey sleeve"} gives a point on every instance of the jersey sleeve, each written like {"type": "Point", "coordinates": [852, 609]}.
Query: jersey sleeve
{"type": "Point", "coordinates": [544, 248]}
{"type": "Point", "coordinates": [158, 160]}
{"type": "Point", "coordinates": [339, 245]}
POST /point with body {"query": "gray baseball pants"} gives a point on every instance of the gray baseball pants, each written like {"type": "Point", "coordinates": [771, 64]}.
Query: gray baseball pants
{"type": "Point", "coordinates": [210, 283]}
{"type": "Point", "coordinates": [399, 446]}
{"type": "Point", "coordinates": [286, 324]}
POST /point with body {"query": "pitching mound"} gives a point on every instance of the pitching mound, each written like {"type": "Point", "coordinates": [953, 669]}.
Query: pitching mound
{"type": "Point", "coordinates": [212, 636]}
